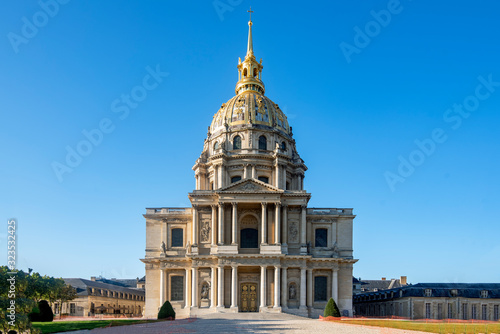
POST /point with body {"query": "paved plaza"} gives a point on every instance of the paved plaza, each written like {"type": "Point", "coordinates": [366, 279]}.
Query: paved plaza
{"type": "Point", "coordinates": [245, 323]}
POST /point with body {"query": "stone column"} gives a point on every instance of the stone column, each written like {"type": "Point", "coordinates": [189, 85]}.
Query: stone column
{"type": "Point", "coordinates": [220, 287]}
{"type": "Point", "coordinates": [309, 288]}
{"type": "Point", "coordinates": [220, 228]}
{"type": "Point", "coordinates": [302, 288]}
{"type": "Point", "coordinates": [277, 225]}
{"type": "Point", "coordinates": [213, 287]}
{"type": "Point", "coordinates": [223, 176]}
{"type": "Point", "coordinates": [276, 286]}
{"type": "Point", "coordinates": [214, 224]}
{"type": "Point", "coordinates": [264, 224]}
{"type": "Point", "coordinates": [194, 287]}
{"type": "Point", "coordinates": [254, 172]}
{"type": "Point", "coordinates": [186, 292]}
{"type": "Point", "coordinates": [245, 171]}
{"type": "Point", "coordinates": [197, 181]}
{"type": "Point", "coordinates": [284, 288]}
{"type": "Point", "coordinates": [162, 287]}
{"type": "Point", "coordinates": [263, 286]}
{"type": "Point", "coordinates": [216, 177]}
{"type": "Point", "coordinates": [234, 239]}
{"type": "Point", "coordinates": [277, 174]}
{"type": "Point", "coordinates": [335, 286]}
{"type": "Point", "coordinates": [285, 225]}
{"type": "Point", "coordinates": [303, 224]}
{"type": "Point", "coordinates": [194, 238]}
{"type": "Point", "coordinates": [234, 286]}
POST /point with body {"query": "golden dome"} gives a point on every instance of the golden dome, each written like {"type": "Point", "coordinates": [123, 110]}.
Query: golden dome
{"type": "Point", "coordinates": [248, 108]}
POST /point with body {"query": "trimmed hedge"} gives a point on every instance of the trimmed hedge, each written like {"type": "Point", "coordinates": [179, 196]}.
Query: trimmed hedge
{"type": "Point", "coordinates": [331, 309]}
{"type": "Point", "coordinates": [166, 311]}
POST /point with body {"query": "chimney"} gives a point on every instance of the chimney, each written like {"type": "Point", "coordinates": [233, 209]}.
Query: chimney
{"type": "Point", "coordinates": [383, 278]}
{"type": "Point", "coordinates": [92, 278]}
{"type": "Point", "coordinates": [403, 280]}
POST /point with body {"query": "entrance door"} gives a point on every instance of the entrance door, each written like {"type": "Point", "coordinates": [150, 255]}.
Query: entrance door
{"type": "Point", "coordinates": [248, 297]}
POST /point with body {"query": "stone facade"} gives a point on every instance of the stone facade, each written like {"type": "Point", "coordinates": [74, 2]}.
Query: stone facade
{"type": "Point", "coordinates": [97, 298]}
{"type": "Point", "coordinates": [249, 242]}
{"type": "Point", "coordinates": [479, 301]}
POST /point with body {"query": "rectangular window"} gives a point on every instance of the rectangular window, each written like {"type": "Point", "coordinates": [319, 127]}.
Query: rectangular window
{"type": "Point", "coordinates": [56, 308]}
{"type": "Point", "coordinates": [474, 311]}
{"type": "Point", "coordinates": [72, 308]}
{"type": "Point", "coordinates": [484, 312]}
{"type": "Point", "coordinates": [177, 288]}
{"type": "Point", "coordinates": [465, 316]}
{"type": "Point", "coordinates": [319, 288]}
{"type": "Point", "coordinates": [496, 316]}
{"type": "Point", "coordinates": [177, 237]}
{"type": "Point", "coordinates": [427, 310]}
{"type": "Point", "coordinates": [440, 311]}
{"type": "Point", "coordinates": [321, 239]}
{"type": "Point", "coordinates": [401, 310]}
{"type": "Point", "coordinates": [450, 311]}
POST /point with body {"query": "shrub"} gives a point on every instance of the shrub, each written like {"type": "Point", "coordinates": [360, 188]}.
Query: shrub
{"type": "Point", "coordinates": [331, 309]}
{"type": "Point", "coordinates": [42, 313]}
{"type": "Point", "coordinates": [46, 314]}
{"type": "Point", "coordinates": [166, 311]}
{"type": "Point", "coordinates": [34, 314]}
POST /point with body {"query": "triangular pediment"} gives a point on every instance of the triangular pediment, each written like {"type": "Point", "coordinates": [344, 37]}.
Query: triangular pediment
{"type": "Point", "coordinates": [250, 186]}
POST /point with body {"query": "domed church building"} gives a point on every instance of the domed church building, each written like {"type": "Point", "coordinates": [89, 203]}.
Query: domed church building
{"type": "Point", "coordinates": [249, 243]}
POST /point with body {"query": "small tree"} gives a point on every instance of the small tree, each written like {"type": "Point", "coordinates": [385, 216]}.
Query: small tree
{"type": "Point", "coordinates": [166, 311]}
{"type": "Point", "coordinates": [331, 309]}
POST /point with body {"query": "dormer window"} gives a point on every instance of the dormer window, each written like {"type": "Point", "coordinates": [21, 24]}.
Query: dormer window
{"type": "Point", "coordinates": [454, 292]}
{"type": "Point", "coordinates": [428, 293]}
{"type": "Point", "coordinates": [484, 294]}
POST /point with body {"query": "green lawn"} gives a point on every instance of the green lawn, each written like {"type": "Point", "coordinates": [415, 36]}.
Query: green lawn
{"type": "Point", "coordinates": [64, 326]}
{"type": "Point", "coordinates": [433, 327]}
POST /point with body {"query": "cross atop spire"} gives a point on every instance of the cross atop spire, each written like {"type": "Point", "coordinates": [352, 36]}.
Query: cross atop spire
{"type": "Point", "coordinates": [250, 11]}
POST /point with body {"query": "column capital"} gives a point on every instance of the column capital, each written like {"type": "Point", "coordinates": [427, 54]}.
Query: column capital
{"type": "Point", "coordinates": [195, 206]}
{"type": "Point", "coordinates": [284, 205]}
{"type": "Point", "coordinates": [221, 204]}
{"type": "Point", "coordinates": [277, 266]}
{"type": "Point", "coordinates": [213, 206]}
{"type": "Point", "coordinates": [278, 204]}
{"type": "Point", "coordinates": [234, 204]}
{"type": "Point", "coordinates": [303, 207]}
{"type": "Point", "coordinates": [264, 204]}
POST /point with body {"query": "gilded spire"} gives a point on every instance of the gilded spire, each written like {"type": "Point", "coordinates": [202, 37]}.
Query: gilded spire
{"type": "Point", "coordinates": [250, 71]}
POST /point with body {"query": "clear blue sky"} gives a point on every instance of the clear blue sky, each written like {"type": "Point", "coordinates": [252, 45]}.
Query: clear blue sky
{"type": "Point", "coordinates": [352, 122]}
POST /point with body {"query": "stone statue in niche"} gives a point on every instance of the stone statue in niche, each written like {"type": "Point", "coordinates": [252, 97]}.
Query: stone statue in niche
{"type": "Point", "coordinates": [205, 231]}
{"type": "Point", "coordinates": [205, 290]}
{"type": "Point", "coordinates": [163, 248]}
{"type": "Point", "coordinates": [292, 292]}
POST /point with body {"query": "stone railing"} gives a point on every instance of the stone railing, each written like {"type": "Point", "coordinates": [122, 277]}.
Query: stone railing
{"type": "Point", "coordinates": [171, 211]}
{"type": "Point", "coordinates": [328, 211]}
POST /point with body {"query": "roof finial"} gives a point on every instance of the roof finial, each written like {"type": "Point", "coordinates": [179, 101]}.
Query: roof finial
{"type": "Point", "coordinates": [250, 41]}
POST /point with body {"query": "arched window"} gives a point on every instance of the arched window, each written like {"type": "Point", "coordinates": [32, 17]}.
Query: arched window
{"type": "Point", "coordinates": [235, 179]}
{"type": "Point", "coordinates": [264, 179]}
{"type": "Point", "coordinates": [255, 73]}
{"type": "Point", "coordinates": [237, 143]}
{"type": "Point", "coordinates": [283, 146]}
{"type": "Point", "coordinates": [249, 238]}
{"type": "Point", "coordinates": [245, 72]}
{"type": "Point", "coordinates": [262, 143]}
{"type": "Point", "coordinates": [216, 146]}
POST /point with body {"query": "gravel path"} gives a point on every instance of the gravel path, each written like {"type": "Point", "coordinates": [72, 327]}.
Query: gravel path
{"type": "Point", "coordinates": [246, 323]}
